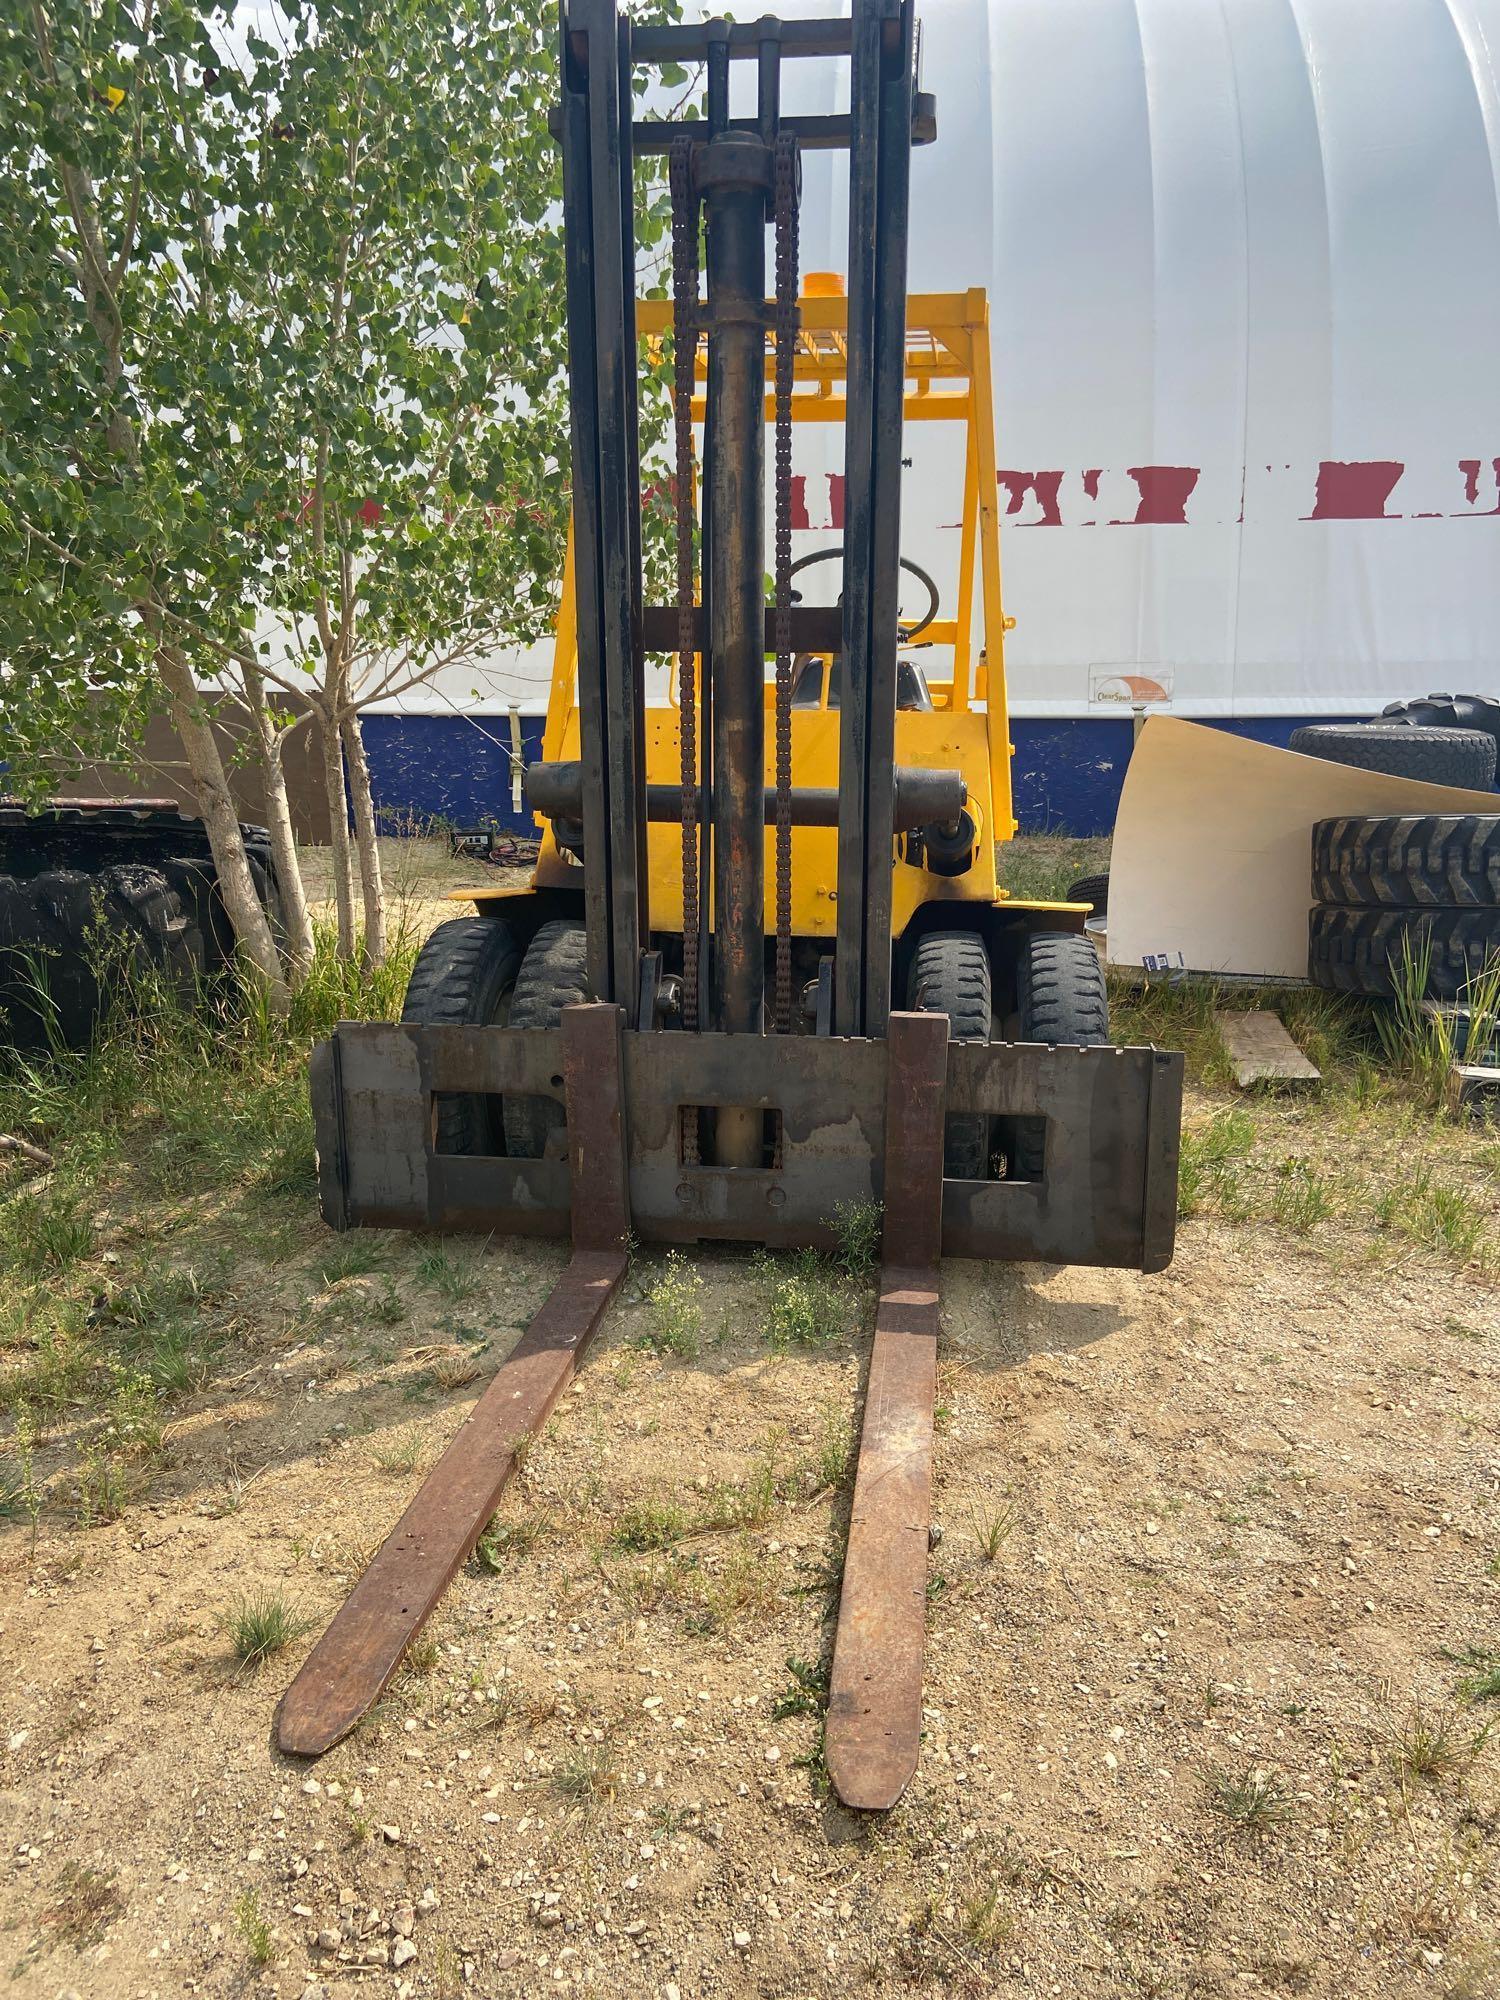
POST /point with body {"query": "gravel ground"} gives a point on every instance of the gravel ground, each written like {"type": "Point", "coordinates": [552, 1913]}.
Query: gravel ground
{"type": "Point", "coordinates": [1213, 1622]}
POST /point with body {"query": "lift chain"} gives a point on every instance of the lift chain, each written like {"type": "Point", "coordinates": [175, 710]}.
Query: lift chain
{"type": "Point", "coordinates": [684, 355]}
{"type": "Point", "coordinates": [787, 325]}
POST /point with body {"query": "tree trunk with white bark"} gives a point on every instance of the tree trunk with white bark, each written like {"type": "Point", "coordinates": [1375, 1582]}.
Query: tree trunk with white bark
{"type": "Point", "coordinates": [340, 849]}
{"type": "Point", "coordinates": [216, 807]}
{"type": "Point", "coordinates": [367, 844]}
{"type": "Point", "coordinates": [295, 916]}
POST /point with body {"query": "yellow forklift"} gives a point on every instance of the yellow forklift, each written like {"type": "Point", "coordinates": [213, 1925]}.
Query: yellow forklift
{"type": "Point", "coordinates": [641, 1041]}
{"type": "Point", "coordinates": [1021, 969]}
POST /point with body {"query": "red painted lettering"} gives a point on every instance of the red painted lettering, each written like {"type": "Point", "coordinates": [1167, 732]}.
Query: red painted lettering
{"type": "Point", "coordinates": [1355, 490]}
{"type": "Point", "coordinates": [1164, 491]}
{"type": "Point", "coordinates": [1043, 485]}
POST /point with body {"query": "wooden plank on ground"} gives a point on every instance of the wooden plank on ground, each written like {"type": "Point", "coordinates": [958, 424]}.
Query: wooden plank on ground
{"type": "Point", "coordinates": [1261, 1049]}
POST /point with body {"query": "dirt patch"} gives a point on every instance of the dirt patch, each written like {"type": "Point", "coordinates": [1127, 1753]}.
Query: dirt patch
{"type": "Point", "coordinates": [1213, 1617]}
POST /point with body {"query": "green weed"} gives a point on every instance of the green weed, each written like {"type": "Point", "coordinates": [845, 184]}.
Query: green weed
{"type": "Point", "coordinates": [261, 1625]}
{"type": "Point", "coordinates": [808, 1693]}
{"type": "Point", "coordinates": [857, 1226]}
{"type": "Point", "coordinates": [1209, 1157]}
{"type": "Point", "coordinates": [589, 1778]}
{"type": "Point", "coordinates": [805, 1309]}
{"type": "Point", "coordinates": [354, 1255]}
{"type": "Point", "coordinates": [835, 1448]}
{"type": "Point", "coordinates": [1430, 1747]}
{"type": "Point", "coordinates": [48, 1232]}
{"type": "Point", "coordinates": [1252, 1798]}
{"type": "Point", "coordinates": [674, 1301]}
{"type": "Point", "coordinates": [503, 1541]}
{"type": "Point", "coordinates": [649, 1524]}
{"type": "Point", "coordinates": [1302, 1198]}
{"type": "Point", "coordinates": [457, 1277]}
{"type": "Point", "coordinates": [102, 1492]}
{"type": "Point", "coordinates": [1435, 1214]}
{"type": "Point", "coordinates": [387, 1308]}
{"type": "Point", "coordinates": [993, 1530]}
{"type": "Point", "coordinates": [399, 1456]}
{"type": "Point", "coordinates": [254, 1927]}
{"type": "Point", "coordinates": [1041, 868]}
{"type": "Point", "coordinates": [987, 1921]}
{"type": "Point", "coordinates": [21, 1491]}
{"type": "Point", "coordinates": [1483, 1684]}
{"type": "Point", "coordinates": [1421, 1040]}
{"type": "Point", "coordinates": [133, 1426]}
{"type": "Point", "coordinates": [745, 1583]}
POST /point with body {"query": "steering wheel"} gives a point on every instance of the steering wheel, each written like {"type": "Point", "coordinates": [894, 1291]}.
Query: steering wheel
{"type": "Point", "coordinates": [908, 632]}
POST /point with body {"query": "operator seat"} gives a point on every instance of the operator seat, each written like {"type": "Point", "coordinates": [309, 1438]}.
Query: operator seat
{"type": "Point", "coordinates": [807, 686]}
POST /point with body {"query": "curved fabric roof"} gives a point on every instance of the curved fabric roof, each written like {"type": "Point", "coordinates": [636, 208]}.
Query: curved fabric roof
{"type": "Point", "coordinates": [1244, 266]}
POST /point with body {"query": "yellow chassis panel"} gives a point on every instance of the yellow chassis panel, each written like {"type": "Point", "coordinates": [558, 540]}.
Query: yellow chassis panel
{"type": "Point", "coordinates": [948, 380]}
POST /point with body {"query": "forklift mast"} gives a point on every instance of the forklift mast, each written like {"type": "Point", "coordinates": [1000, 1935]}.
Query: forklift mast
{"type": "Point", "coordinates": [742, 171]}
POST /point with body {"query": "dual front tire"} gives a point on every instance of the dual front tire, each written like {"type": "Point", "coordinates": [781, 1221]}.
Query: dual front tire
{"type": "Point", "coordinates": [1060, 999]}
{"type": "Point", "coordinates": [473, 973]}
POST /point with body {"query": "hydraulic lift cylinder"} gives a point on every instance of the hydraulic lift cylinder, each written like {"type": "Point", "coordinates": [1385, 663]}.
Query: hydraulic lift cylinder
{"type": "Point", "coordinates": [735, 176]}
{"type": "Point", "coordinates": [736, 170]}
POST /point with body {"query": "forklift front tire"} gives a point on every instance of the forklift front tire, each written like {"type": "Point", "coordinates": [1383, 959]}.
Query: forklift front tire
{"type": "Point", "coordinates": [1061, 999]}
{"type": "Point", "coordinates": [950, 974]}
{"type": "Point", "coordinates": [553, 975]}
{"type": "Point", "coordinates": [463, 978]}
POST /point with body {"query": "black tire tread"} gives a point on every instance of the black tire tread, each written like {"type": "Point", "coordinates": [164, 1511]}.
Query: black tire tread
{"type": "Point", "coordinates": [83, 933]}
{"type": "Point", "coordinates": [1061, 992]}
{"type": "Point", "coordinates": [1090, 889]}
{"type": "Point", "coordinates": [950, 974]}
{"type": "Point", "coordinates": [553, 975]}
{"type": "Point", "coordinates": [1413, 862]}
{"type": "Point", "coordinates": [1438, 756]}
{"type": "Point", "coordinates": [1061, 1000]}
{"type": "Point", "coordinates": [1362, 951]}
{"type": "Point", "coordinates": [460, 980]}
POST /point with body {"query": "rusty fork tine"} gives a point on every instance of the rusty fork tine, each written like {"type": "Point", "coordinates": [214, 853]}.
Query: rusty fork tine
{"type": "Point", "coordinates": [357, 1656]}
{"type": "Point", "coordinates": [875, 1692]}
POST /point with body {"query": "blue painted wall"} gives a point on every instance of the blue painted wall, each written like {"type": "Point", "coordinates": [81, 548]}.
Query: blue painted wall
{"type": "Point", "coordinates": [1067, 773]}
{"type": "Point", "coordinates": [451, 767]}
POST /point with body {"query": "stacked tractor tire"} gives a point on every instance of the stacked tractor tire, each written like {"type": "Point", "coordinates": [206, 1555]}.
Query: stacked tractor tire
{"type": "Point", "coordinates": [1443, 739]}
{"type": "Point", "coordinates": [1421, 890]}
{"type": "Point", "coordinates": [1401, 891]}
{"type": "Point", "coordinates": [94, 897]}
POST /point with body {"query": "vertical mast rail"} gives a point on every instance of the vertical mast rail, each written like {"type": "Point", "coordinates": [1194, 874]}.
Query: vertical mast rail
{"type": "Point", "coordinates": [600, 254]}
{"type": "Point", "coordinates": [879, 176]}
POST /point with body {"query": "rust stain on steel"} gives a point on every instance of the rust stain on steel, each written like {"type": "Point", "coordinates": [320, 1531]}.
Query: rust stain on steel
{"type": "Point", "coordinates": [358, 1655]}
{"type": "Point", "coordinates": [874, 1725]}
{"type": "Point", "coordinates": [916, 1080]}
{"type": "Point", "coordinates": [875, 1697]}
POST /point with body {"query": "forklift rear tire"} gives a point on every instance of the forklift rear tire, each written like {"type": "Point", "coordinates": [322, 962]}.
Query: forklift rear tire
{"type": "Point", "coordinates": [950, 974]}
{"type": "Point", "coordinates": [553, 975]}
{"type": "Point", "coordinates": [463, 978]}
{"type": "Point", "coordinates": [1061, 999]}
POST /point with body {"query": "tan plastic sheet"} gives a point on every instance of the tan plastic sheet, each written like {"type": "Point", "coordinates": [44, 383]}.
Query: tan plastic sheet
{"type": "Point", "coordinates": [1211, 865]}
